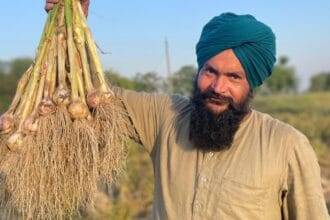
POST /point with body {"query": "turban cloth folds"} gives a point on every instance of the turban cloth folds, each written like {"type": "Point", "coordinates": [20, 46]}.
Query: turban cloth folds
{"type": "Point", "coordinates": [252, 41]}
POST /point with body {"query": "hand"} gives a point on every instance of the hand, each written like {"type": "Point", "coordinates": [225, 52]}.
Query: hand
{"type": "Point", "coordinates": [51, 3]}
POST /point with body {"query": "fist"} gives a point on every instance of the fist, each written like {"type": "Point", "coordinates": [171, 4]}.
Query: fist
{"type": "Point", "coordinates": [51, 3]}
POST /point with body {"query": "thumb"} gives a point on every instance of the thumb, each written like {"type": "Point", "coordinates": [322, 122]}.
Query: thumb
{"type": "Point", "coordinates": [85, 6]}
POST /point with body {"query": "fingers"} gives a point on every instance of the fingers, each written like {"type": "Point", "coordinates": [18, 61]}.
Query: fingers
{"type": "Point", "coordinates": [85, 6]}
{"type": "Point", "coordinates": [50, 4]}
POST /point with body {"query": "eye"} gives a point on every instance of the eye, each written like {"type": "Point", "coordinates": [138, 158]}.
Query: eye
{"type": "Point", "coordinates": [208, 70]}
{"type": "Point", "coordinates": [234, 76]}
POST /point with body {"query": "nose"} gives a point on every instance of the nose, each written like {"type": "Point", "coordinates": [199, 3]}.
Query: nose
{"type": "Point", "coordinates": [220, 85]}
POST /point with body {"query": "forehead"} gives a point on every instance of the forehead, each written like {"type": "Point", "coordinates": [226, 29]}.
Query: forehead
{"type": "Point", "coordinates": [226, 61]}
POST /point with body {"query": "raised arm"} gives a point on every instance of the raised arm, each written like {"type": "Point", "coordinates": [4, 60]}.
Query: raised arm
{"type": "Point", "coordinates": [142, 111]}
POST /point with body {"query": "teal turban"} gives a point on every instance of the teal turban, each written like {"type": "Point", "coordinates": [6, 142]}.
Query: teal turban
{"type": "Point", "coordinates": [252, 41]}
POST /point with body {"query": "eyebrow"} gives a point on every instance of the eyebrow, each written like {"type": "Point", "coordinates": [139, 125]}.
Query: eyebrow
{"type": "Point", "coordinates": [215, 70]}
{"type": "Point", "coordinates": [208, 66]}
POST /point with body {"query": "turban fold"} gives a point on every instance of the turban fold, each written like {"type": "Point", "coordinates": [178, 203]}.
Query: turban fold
{"type": "Point", "coordinates": [252, 41]}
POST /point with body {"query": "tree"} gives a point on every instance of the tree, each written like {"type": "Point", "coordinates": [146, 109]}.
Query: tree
{"type": "Point", "coordinates": [283, 78]}
{"type": "Point", "coordinates": [9, 76]}
{"type": "Point", "coordinates": [9, 79]}
{"type": "Point", "coordinates": [148, 82]}
{"type": "Point", "coordinates": [19, 66]}
{"type": "Point", "coordinates": [320, 82]}
{"type": "Point", "coordinates": [181, 82]}
{"type": "Point", "coordinates": [3, 67]}
{"type": "Point", "coordinates": [117, 79]}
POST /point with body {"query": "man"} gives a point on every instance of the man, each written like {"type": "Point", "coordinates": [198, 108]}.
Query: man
{"type": "Point", "coordinates": [214, 157]}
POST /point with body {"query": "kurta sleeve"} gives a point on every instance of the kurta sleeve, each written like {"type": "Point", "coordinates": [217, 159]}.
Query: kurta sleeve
{"type": "Point", "coordinates": [303, 196]}
{"type": "Point", "coordinates": [144, 114]}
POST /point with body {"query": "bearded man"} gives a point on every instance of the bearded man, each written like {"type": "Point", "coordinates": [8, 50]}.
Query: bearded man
{"type": "Point", "coordinates": [214, 157]}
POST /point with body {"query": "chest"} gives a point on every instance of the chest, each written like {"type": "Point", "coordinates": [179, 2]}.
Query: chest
{"type": "Point", "coordinates": [239, 180]}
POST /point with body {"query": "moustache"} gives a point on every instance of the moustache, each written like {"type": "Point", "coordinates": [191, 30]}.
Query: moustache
{"type": "Point", "coordinates": [217, 98]}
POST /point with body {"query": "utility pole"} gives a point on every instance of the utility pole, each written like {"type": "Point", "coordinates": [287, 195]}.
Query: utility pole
{"type": "Point", "coordinates": [168, 62]}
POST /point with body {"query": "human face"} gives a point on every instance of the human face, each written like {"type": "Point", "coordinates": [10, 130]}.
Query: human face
{"type": "Point", "coordinates": [223, 75]}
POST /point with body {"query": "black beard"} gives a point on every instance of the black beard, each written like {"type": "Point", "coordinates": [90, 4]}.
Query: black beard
{"type": "Point", "coordinates": [215, 132]}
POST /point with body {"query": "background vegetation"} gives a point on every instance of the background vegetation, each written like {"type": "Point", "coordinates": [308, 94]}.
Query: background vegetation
{"type": "Point", "coordinates": [308, 111]}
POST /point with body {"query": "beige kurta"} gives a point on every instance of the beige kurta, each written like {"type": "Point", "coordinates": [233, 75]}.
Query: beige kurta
{"type": "Point", "coordinates": [269, 172]}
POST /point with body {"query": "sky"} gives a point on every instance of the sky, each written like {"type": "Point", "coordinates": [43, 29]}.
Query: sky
{"type": "Point", "coordinates": [133, 32]}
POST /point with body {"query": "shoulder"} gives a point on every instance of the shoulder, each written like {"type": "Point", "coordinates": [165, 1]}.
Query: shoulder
{"type": "Point", "coordinates": [288, 143]}
{"type": "Point", "coordinates": [179, 103]}
{"type": "Point", "coordinates": [277, 127]}
{"type": "Point", "coordinates": [163, 104]}
{"type": "Point", "coordinates": [284, 137]}
{"type": "Point", "coordinates": [176, 107]}
{"type": "Point", "coordinates": [143, 99]}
